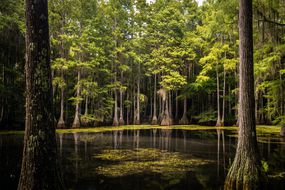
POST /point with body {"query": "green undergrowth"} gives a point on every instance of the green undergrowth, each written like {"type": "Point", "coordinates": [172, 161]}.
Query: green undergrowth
{"type": "Point", "coordinates": [129, 162]}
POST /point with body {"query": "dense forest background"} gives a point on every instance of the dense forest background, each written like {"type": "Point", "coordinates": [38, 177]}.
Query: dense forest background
{"type": "Point", "coordinates": [162, 62]}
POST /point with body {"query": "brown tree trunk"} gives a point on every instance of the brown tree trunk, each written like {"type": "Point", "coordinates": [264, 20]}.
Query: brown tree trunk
{"type": "Point", "coordinates": [76, 121]}
{"type": "Point", "coordinates": [115, 120]}
{"type": "Point", "coordinates": [176, 106]}
{"type": "Point", "coordinates": [121, 120]}
{"type": "Point", "coordinates": [137, 120]}
{"type": "Point", "coordinates": [154, 118]}
{"type": "Point", "coordinates": [184, 120]}
{"type": "Point", "coordinates": [224, 100]}
{"type": "Point", "coordinates": [218, 124]}
{"type": "Point", "coordinates": [166, 120]}
{"type": "Point", "coordinates": [246, 170]}
{"type": "Point", "coordinates": [61, 123]}
{"type": "Point", "coordinates": [40, 165]}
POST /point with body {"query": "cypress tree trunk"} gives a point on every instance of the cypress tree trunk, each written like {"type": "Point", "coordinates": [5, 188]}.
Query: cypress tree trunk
{"type": "Point", "coordinates": [76, 121]}
{"type": "Point", "coordinates": [61, 123]}
{"type": "Point", "coordinates": [137, 120]}
{"type": "Point", "coordinates": [154, 118]}
{"type": "Point", "coordinates": [282, 132]}
{"type": "Point", "coordinates": [170, 104]}
{"type": "Point", "coordinates": [218, 124]}
{"type": "Point", "coordinates": [128, 110]}
{"type": "Point", "coordinates": [121, 120]}
{"type": "Point", "coordinates": [184, 120]}
{"type": "Point", "coordinates": [166, 120]}
{"type": "Point", "coordinates": [176, 106]}
{"type": "Point", "coordinates": [115, 120]}
{"type": "Point", "coordinates": [40, 165]}
{"type": "Point", "coordinates": [224, 100]}
{"type": "Point", "coordinates": [246, 170]}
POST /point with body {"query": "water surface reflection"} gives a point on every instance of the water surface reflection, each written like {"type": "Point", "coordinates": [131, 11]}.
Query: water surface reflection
{"type": "Point", "coordinates": [145, 159]}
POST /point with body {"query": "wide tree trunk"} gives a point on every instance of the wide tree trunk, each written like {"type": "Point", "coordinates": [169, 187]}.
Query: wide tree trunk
{"type": "Point", "coordinates": [154, 118]}
{"type": "Point", "coordinates": [246, 170]}
{"type": "Point", "coordinates": [40, 165]}
{"type": "Point", "coordinates": [76, 121]}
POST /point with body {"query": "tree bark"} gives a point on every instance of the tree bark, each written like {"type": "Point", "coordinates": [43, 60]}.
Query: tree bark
{"type": "Point", "coordinates": [166, 120]}
{"type": "Point", "coordinates": [115, 120]}
{"type": "Point", "coordinates": [40, 164]}
{"type": "Point", "coordinates": [224, 100]}
{"type": "Point", "coordinates": [61, 123]}
{"type": "Point", "coordinates": [218, 124]}
{"type": "Point", "coordinates": [246, 170]}
{"type": "Point", "coordinates": [154, 118]}
{"type": "Point", "coordinates": [76, 121]}
{"type": "Point", "coordinates": [121, 120]}
{"type": "Point", "coordinates": [184, 120]}
{"type": "Point", "coordinates": [137, 120]}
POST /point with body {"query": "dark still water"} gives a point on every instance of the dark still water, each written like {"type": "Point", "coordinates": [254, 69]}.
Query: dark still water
{"type": "Point", "coordinates": [145, 159]}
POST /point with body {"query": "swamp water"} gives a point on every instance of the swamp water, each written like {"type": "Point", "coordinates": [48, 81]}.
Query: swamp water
{"type": "Point", "coordinates": [150, 159]}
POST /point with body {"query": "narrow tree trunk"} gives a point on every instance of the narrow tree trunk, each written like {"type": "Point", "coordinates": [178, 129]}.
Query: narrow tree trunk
{"type": "Point", "coordinates": [76, 121]}
{"type": "Point", "coordinates": [137, 121]}
{"type": "Point", "coordinates": [115, 120]}
{"type": "Point", "coordinates": [84, 120]}
{"type": "Point", "coordinates": [176, 106]}
{"type": "Point", "coordinates": [86, 106]}
{"type": "Point", "coordinates": [40, 165]}
{"type": "Point", "coordinates": [61, 123]}
{"type": "Point", "coordinates": [154, 118]}
{"type": "Point", "coordinates": [224, 100]}
{"type": "Point", "coordinates": [128, 110]}
{"type": "Point", "coordinates": [134, 107]}
{"type": "Point", "coordinates": [184, 120]}
{"type": "Point", "coordinates": [218, 124]}
{"type": "Point", "coordinates": [170, 104]}
{"type": "Point", "coordinates": [121, 120]}
{"type": "Point", "coordinates": [246, 170]}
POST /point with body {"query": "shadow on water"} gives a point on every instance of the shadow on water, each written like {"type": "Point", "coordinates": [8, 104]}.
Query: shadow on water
{"type": "Point", "coordinates": [145, 159]}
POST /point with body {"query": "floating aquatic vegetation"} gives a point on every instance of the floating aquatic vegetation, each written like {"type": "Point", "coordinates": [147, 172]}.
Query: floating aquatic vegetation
{"type": "Point", "coordinates": [129, 162]}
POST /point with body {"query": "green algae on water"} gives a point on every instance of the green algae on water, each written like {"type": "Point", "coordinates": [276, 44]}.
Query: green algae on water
{"type": "Point", "coordinates": [130, 162]}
